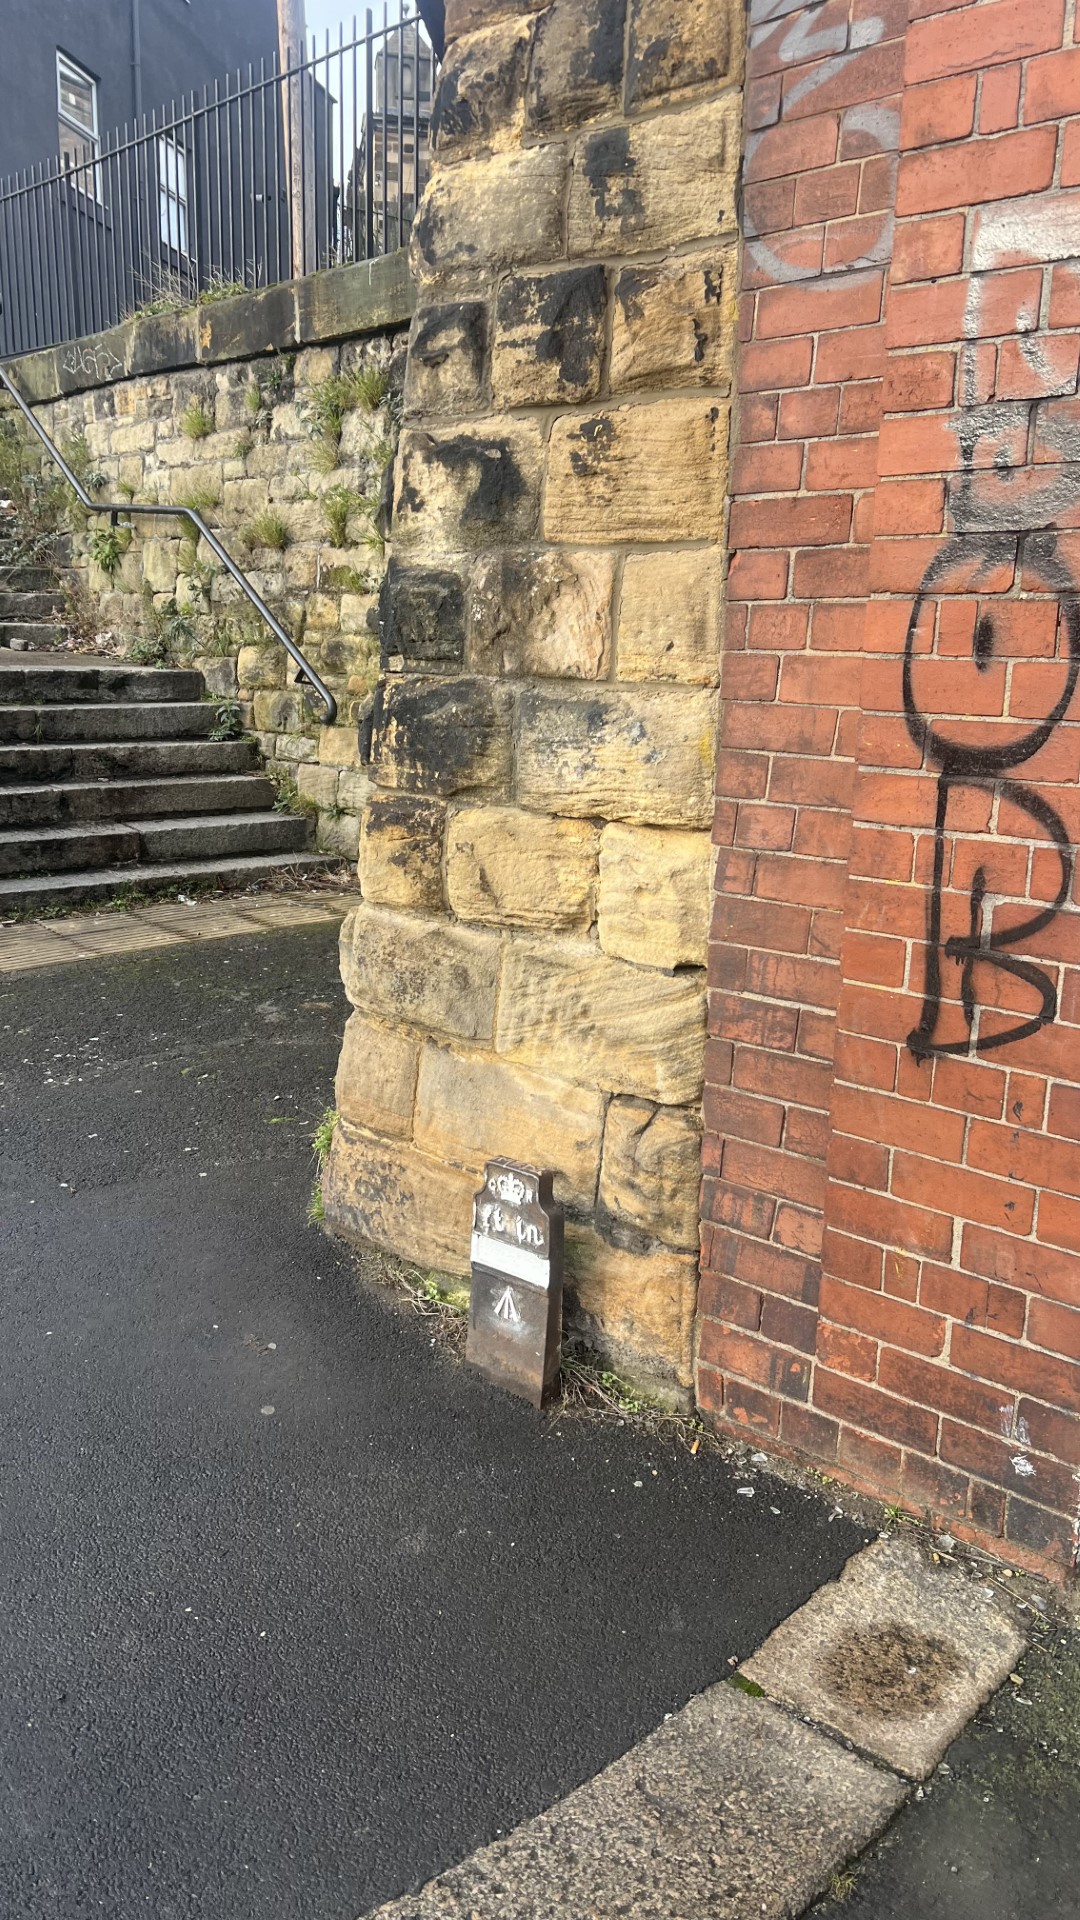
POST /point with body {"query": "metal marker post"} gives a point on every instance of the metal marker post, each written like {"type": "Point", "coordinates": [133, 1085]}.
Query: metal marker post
{"type": "Point", "coordinates": [515, 1317]}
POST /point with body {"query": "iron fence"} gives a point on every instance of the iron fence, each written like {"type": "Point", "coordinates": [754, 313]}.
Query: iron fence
{"type": "Point", "coordinates": [256, 179]}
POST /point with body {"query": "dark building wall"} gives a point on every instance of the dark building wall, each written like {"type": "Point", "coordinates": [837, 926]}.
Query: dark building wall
{"type": "Point", "coordinates": [182, 44]}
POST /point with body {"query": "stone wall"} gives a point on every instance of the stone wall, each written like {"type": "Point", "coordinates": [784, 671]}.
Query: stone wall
{"type": "Point", "coordinates": [233, 408]}
{"type": "Point", "coordinates": [891, 1278]}
{"type": "Point", "coordinates": [527, 961]}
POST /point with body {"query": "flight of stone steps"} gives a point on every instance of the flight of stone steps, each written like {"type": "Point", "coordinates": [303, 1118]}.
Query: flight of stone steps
{"type": "Point", "coordinates": [32, 598]}
{"type": "Point", "coordinates": [109, 781]}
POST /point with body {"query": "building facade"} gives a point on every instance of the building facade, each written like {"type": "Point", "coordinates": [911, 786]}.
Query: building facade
{"type": "Point", "coordinates": [394, 155]}
{"type": "Point", "coordinates": [76, 69]}
{"type": "Point", "coordinates": [251, 178]}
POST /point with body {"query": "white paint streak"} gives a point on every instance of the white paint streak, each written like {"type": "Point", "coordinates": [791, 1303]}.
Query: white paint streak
{"type": "Point", "coordinates": [880, 123]}
{"type": "Point", "coordinates": [817, 77]}
{"type": "Point", "coordinates": [1044, 227]}
{"type": "Point", "coordinates": [802, 43]}
{"type": "Point", "coordinates": [765, 11]}
{"type": "Point", "coordinates": [867, 33]}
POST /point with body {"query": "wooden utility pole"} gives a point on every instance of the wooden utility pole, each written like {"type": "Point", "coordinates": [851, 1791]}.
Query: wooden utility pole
{"type": "Point", "coordinates": [292, 44]}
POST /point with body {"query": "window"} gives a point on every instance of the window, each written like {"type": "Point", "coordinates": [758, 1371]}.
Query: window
{"type": "Point", "coordinates": [77, 112]}
{"type": "Point", "coordinates": [172, 194]}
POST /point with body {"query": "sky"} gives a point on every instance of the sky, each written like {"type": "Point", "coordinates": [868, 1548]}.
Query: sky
{"type": "Point", "coordinates": [322, 14]}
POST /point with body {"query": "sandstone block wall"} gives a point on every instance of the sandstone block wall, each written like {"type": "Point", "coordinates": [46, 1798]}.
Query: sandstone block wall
{"type": "Point", "coordinates": [891, 1281]}
{"type": "Point", "coordinates": [527, 964]}
{"type": "Point", "coordinates": [225, 408]}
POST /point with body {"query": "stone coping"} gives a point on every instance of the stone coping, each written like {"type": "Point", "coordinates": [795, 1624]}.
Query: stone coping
{"type": "Point", "coordinates": [336, 304]}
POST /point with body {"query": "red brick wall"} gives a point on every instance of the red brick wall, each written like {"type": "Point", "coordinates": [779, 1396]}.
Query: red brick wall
{"type": "Point", "coordinates": [891, 1202]}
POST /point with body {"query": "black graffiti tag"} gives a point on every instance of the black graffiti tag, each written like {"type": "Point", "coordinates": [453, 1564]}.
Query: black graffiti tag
{"type": "Point", "coordinates": [985, 766]}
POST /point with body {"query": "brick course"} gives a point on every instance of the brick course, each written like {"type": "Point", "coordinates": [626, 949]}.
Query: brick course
{"type": "Point", "coordinates": [891, 1221]}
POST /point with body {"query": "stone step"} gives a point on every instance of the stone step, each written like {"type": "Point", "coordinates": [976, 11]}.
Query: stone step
{"type": "Point", "coordinates": [62, 890]}
{"type": "Point", "coordinates": [15, 534]}
{"type": "Point", "coordinates": [24, 636]}
{"type": "Point", "coordinates": [87, 801]}
{"type": "Point", "coordinates": [37, 850]}
{"type": "Point", "coordinates": [69, 681]}
{"type": "Point", "coordinates": [126, 759]}
{"type": "Point", "coordinates": [142, 720]}
{"type": "Point", "coordinates": [40, 850]}
{"type": "Point", "coordinates": [16, 578]}
{"type": "Point", "coordinates": [24, 603]}
{"type": "Point", "coordinates": [14, 553]}
{"type": "Point", "coordinates": [221, 836]}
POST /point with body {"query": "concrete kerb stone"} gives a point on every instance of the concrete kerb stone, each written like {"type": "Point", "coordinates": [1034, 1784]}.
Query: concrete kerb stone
{"type": "Point", "coordinates": [728, 1809]}
{"type": "Point", "coordinates": [735, 1807]}
{"type": "Point", "coordinates": [895, 1656]}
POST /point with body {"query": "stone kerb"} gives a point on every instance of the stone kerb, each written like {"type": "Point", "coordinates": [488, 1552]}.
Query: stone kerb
{"type": "Point", "coordinates": [527, 966]}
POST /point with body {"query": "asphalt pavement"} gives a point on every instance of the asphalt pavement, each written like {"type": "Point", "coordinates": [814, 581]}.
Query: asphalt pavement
{"type": "Point", "coordinates": [294, 1610]}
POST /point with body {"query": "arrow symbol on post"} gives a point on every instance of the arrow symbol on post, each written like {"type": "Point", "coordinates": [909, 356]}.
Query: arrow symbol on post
{"type": "Point", "coordinates": [506, 1307]}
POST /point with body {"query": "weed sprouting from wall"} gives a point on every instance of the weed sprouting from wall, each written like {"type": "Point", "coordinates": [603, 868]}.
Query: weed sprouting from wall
{"type": "Point", "coordinates": [196, 422]}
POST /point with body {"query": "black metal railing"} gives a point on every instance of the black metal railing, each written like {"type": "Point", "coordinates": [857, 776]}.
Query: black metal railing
{"type": "Point", "coordinates": [260, 178]}
{"type": "Point", "coordinates": [118, 513]}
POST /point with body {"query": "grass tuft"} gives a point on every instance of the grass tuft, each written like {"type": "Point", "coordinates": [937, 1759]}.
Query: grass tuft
{"type": "Point", "coordinates": [266, 530]}
{"type": "Point", "coordinates": [196, 421]}
{"type": "Point", "coordinates": [321, 1142]}
{"type": "Point", "coordinates": [337, 505]}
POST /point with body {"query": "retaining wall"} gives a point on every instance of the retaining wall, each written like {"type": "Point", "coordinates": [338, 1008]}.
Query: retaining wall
{"type": "Point", "coordinates": [223, 406]}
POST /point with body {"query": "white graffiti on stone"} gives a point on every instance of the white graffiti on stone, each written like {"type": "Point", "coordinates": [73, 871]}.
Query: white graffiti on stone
{"type": "Point", "coordinates": [94, 363]}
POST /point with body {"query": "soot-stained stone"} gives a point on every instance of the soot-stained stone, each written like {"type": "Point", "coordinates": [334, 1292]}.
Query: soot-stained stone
{"type": "Point", "coordinates": [658, 182]}
{"type": "Point", "coordinates": [674, 324]}
{"type": "Point", "coordinates": [677, 44]}
{"type": "Point", "coordinates": [466, 16]}
{"type": "Point", "coordinates": [401, 852]}
{"type": "Point", "coordinates": [641, 474]}
{"type": "Point", "coordinates": [501, 211]}
{"type": "Point", "coordinates": [469, 490]}
{"type": "Point", "coordinates": [421, 617]}
{"type": "Point", "coordinates": [577, 64]}
{"type": "Point", "coordinates": [253, 323]}
{"type": "Point", "coordinates": [549, 334]}
{"type": "Point", "coordinates": [638, 754]}
{"type": "Point", "coordinates": [651, 1171]}
{"type": "Point", "coordinates": [481, 88]}
{"type": "Point", "coordinates": [446, 358]}
{"type": "Point", "coordinates": [442, 737]}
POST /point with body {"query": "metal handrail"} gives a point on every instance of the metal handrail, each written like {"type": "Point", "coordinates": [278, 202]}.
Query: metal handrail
{"type": "Point", "coordinates": [115, 510]}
